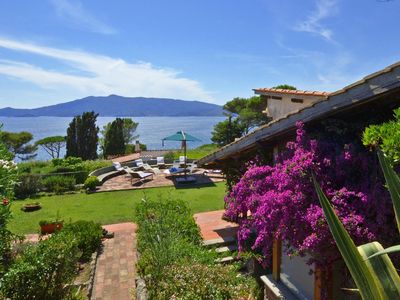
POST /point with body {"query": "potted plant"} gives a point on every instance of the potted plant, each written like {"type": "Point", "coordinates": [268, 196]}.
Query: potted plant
{"type": "Point", "coordinates": [31, 207]}
{"type": "Point", "coordinates": [48, 227]}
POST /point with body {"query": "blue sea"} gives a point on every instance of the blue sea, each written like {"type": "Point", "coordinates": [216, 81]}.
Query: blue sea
{"type": "Point", "coordinates": [151, 130]}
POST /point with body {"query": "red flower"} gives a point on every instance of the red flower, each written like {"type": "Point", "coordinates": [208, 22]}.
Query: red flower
{"type": "Point", "coordinates": [5, 201]}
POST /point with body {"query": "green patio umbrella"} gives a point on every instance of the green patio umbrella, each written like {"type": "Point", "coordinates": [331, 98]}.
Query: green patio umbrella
{"type": "Point", "coordinates": [183, 137]}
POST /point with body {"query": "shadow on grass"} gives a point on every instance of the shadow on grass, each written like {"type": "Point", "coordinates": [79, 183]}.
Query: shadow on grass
{"type": "Point", "coordinates": [193, 185]}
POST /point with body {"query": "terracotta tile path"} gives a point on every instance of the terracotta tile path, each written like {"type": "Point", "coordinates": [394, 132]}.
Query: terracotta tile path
{"type": "Point", "coordinates": [115, 269]}
{"type": "Point", "coordinates": [212, 226]}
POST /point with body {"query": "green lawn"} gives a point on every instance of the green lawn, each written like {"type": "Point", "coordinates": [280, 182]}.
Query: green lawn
{"type": "Point", "coordinates": [110, 207]}
{"type": "Point", "coordinates": [198, 152]}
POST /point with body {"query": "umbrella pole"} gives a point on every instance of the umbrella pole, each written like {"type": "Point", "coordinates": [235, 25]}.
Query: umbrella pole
{"type": "Point", "coordinates": [184, 153]}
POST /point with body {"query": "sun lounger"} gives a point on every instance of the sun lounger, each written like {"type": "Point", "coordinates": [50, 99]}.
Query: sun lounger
{"type": "Point", "coordinates": [144, 166]}
{"type": "Point", "coordinates": [139, 163]}
{"type": "Point", "coordinates": [117, 166]}
{"type": "Point", "coordinates": [140, 176]}
{"type": "Point", "coordinates": [160, 162]}
{"type": "Point", "coordinates": [177, 170]}
{"type": "Point", "coordinates": [213, 171]}
{"type": "Point", "coordinates": [174, 170]}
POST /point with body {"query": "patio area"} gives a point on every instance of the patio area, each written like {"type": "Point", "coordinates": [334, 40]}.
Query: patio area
{"type": "Point", "coordinates": [123, 182]}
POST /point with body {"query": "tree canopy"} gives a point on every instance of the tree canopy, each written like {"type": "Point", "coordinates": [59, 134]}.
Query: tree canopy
{"type": "Point", "coordinates": [82, 136]}
{"type": "Point", "coordinates": [249, 112]}
{"type": "Point", "coordinates": [285, 87]}
{"type": "Point", "coordinates": [52, 145]}
{"type": "Point", "coordinates": [128, 132]}
{"type": "Point", "coordinates": [226, 131]}
{"type": "Point", "coordinates": [18, 144]}
{"type": "Point", "coordinates": [114, 142]}
{"type": "Point", "coordinates": [243, 114]}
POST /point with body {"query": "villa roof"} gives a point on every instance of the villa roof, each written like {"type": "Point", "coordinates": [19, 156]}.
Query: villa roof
{"type": "Point", "coordinates": [365, 90]}
{"type": "Point", "coordinates": [290, 92]}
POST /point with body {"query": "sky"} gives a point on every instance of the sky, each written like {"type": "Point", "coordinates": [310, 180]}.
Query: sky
{"type": "Point", "coordinates": [54, 51]}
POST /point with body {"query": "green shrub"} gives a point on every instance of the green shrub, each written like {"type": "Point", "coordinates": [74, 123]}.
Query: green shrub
{"type": "Point", "coordinates": [91, 183]}
{"type": "Point", "coordinates": [81, 169]}
{"type": "Point", "coordinates": [88, 235]}
{"type": "Point", "coordinates": [201, 281]}
{"type": "Point", "coordinates": [77, 171]}
{"type": "Point", "coordinates": [64, 162]}
{"type": "Point", "coordinates": [130, 148]}
{"type": "Point", "coordinates": [59, 184]}
{"type": "Point", "coordinates": [172, 259]}
{"type": "Point", "coordinates": [43, 270]}
{"type": "Point", "coordinates": [386, 136]}
{"type": "Point", "coordinates": [33, 166]}
{"type": "Point", "coordinates": [169, 155]}
{"type": "Point", "coordinates": [27, 186]}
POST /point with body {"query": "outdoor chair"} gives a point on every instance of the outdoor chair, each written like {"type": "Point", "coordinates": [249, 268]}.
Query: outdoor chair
{"type": "Point", "coordinates": [117, 166]}
{"type": "Point", "coordinates": [174, 170]}
{"type": "Point", "coordinates": [160, 162]}
{"type": "Point", "coordinates": [139, 163]}
{"type": "Point", "coordinates": [182, 159]}
{"type": "Point", "coordinates": [140, 176]}
{"type": "Point", "coordinates": [179, 162]}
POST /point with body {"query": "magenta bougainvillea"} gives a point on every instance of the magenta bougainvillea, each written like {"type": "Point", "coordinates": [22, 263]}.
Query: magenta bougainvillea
{"type": "Point", "coordinates": [283, 204]}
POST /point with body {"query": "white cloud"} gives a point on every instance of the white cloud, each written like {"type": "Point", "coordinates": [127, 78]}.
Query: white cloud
{"type": "Point", "coordinates": [99, 74]}
{"type": "Point", "coordinates": [74, 14]}
{"type": "Point", "coordinates": [324, 9]}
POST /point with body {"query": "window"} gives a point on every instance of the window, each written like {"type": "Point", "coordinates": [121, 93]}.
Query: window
{"type": "Point", "coordinates": [297, 100]}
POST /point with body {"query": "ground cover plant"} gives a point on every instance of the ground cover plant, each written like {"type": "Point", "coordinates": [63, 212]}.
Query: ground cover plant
{"type": "Point", "coordinates": [109, 207]}
{"type": "Point", "coordinates": [283, 202]}
{"type": "Point", "coordinates": [173, 262]}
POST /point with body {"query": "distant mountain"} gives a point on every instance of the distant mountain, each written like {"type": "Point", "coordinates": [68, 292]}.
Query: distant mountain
{"type": "Point", "coordinates": [115, 105]}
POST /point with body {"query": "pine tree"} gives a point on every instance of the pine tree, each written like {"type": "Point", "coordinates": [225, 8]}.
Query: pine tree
{"type": "Point", "coordinates": [82, 136]}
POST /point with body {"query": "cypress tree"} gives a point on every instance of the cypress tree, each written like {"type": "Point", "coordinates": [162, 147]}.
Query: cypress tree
{"type": "Point", "coordinates": [82, 136]}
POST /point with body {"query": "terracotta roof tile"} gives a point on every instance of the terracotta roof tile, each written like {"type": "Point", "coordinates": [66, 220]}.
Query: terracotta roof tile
{"type": "Point", "coordinates": [291, 92]}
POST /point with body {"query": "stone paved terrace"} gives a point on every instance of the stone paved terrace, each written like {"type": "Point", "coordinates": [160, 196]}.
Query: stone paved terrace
{"type": "Point", "coordinates": [212, 226]}
{"type": "Point", "coordinates": [123, 182]}
{"type": "Point", "coordinates": [115, 269]}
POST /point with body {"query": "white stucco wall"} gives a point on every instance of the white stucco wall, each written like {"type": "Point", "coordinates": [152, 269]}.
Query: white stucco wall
{"type": "Point", "coordinates": [280, 108]}
{"type": "Point", "coordinates": [295, 272]}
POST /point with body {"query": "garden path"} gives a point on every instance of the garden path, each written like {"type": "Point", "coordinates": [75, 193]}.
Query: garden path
{"type": "Point", "coordinates": [212, 226]}
{"type": "Point", "coordinates": [115, 268]}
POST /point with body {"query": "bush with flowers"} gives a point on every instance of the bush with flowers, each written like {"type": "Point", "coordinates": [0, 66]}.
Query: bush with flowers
{"type": "Point", "coordinates": [8, 176]}
{"type": "Point", "coordinates": [283, 204]}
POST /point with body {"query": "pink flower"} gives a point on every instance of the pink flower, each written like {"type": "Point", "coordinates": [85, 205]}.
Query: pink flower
{"type": "Point", "coordinates": [283, 203]}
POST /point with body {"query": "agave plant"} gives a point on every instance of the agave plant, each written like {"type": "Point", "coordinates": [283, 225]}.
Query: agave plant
{"type": "Point", "coordinates": [370, 266]}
